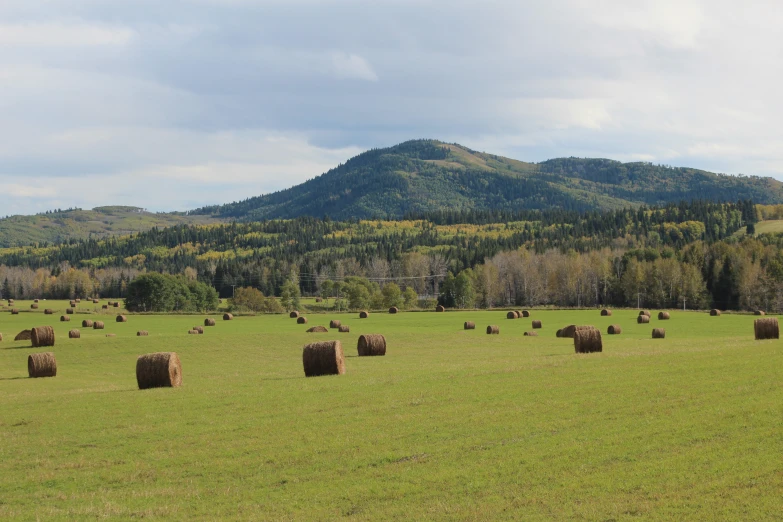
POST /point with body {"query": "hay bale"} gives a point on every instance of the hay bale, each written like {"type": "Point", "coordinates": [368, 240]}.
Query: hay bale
{"type": "Point", "coordinates": [65, 318]}
{"type": "Point", "coordinates": [294, 314]}
{"type": "Point", "coordinates": [440, 308]}
{"type": "Point", "coordinates": [512, 315]}
{"type": "Point", "coordinates": [34, 306]}
{"type": "Point", "coordinates": [87, 323]}
{"type": "Point", "coordinates": [559, 333]}
{"type": "Point", "coordinates": [192, 332]}
{"type": "Point", "coordinates": [14, 311]}
{"type": "Point", "coordinates": [24, 335]}
{"type": "Point", "coordinates": [97, 325]}
{"type": "Point", "coordinates": [571, 329]}
{"type": "Point", "coordinates": [588, 341]}
{"type": "Point", "coordinates": [317, 329]}
{"type": "Point", "coordinates": [525, 313]}
{"type": "Point", "coordinates": [319, 299]}
{"type": "Point", "coordinates": [766, 328]}
{"type": "Point", "coordinates": [105, 307]}
{"type": "Point", "coordinates": [116, 304]}
{"type": "Point", "coordinates": [606, 312]}
{"type": "Point", "coordinates": [663, 316]}
{"type": "Point", "coordinates": [78, 301]}
{"type": "Point", "coordinates": [536, 323]}
{"type": "Point", "coordinates": [714, 312]}
{"type": "Point", "coordinates": [644, 312]}
{"type": "Point", "coordinates": [393, 310]}
{"type": "Point", "coordinates": [301, 320]}
{"type": "Point", "coordinates": [364, 315]}
{"type": "Point", "coordinates": [111, 335]}
{"type": "Point", "coordinates": [759, 312]}
{"type": "Point", "coordinates": [643, 319]}
{"type": "Point", "coordinates": [10, 302]}
{"type": "Point", "coordinates": [95, 301]}
{"type": "Point", "coordinates": [199, 329]}
{"type": "Point", "coordinates": [142, 333]}
{"type": "Point", "coordinates": [49, 311]}
{"type": "Point", "coordinates": [469, 325]}
{"type": "Point", "coordinates": [35, 300]}
{"type": "Point", "coordinates": [158, 370]}
{"type": "Point", "coordinates": [41, 365]}
{"type": "Point", "coordinates": [69, 311]}
{"type": "Point", "coordinates": [343, 328]}
{"type": "Point", "coordinates": [72, 304]}
{"type": "Point", "coordinates": [323, 358]}
{"type": "Point", "coordinates": [658, 333]}
{"type": "Point", "coordinates": [74, 334]}
{"type": "Point", "coordinates": [122, 319]}
{"type": "Point", "coordinates": [334, 323]}
{"type": "Point", "coordinates": [531, 334]}
{"type": "Point", "coordinates": [371, 345]}
{"type": "Point", "coordinates": [42, 336]}
{"type": "Point", "coordinates": [228, 317]}
{"type": "Point", "coordinates": [493, 330]}
{"type": "Point", "coordinates": [614, 329]}
{"type": "Point", "coordinates": [209, 322]}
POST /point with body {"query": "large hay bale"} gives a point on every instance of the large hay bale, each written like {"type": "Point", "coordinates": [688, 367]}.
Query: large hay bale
{"type": "Point", "coordinates": [69, 311]}
{"type": "Point", "coordinates": [74, 334]}
{"type": "Point", "coordinates": [209, 322]}
{"type": "Point", "coordinates": [714, 312]}
{"type": "Point", "coordinates": [440, 308]}
{"type": "Point", "coordinates": [24, 335]}
{"type": "Point", "coordinates": [663, 316]}
{"type": "Point", "coordinates": [606, 312]}
{"type": "Point", "coordinates": [371, 345]}
{"type": "Point", "coordinates": [14, 311]}
{"type": "Point", "coordinates": [122, 319]}
{"type": "Point", "coordinates": [41, 365]}
{"type": "Point", "coordinates": [571, 329]}
{"type": "Point", "coordinates": [87, 323]}
{"type": "Point", "coordinates": [512, 315]}
{"type": "Point", "coordinates": [766, 328]}
{"type": "Point", "coordinates": [614, 329]}
{"type": "Point", "coordinates": [334, 323]}
{"type": "Point", "coordinates": [531, 334]}
{"type": "Point", "coordinates": [759, 312]}
{"type": "Point", "coordinates": [294, 314]}
{"type": "Point", "coordinates": [343, 328]}
{"type": "Point", "coordinates": [393, 310]}
{"type": "Point", "coordinates": [199, 329]}
{"type": "Point", "coordinates": [658, 333]}
{"type": "Point", "coordinates": [49, 311]}
{"type": "Point", "coordinates": [42, 336]}
{"type": "Point", "coordinates": [588, 341]}
{"type": "Point", "coordinates": [469, 325]}
{"type": "Point", "coordinates": [364, 315]}
{"type": "Point", "coordinates": [142, 333]}
{"type": "Point", "coordinates": [301, 320]}
{"type": "Point", "coordinates": [158, 370]}
{"type": "Point", "coordinates": [644, 312]}
{"type": "Point", "coordinates": [323, 358]}
{"type": "Point", "coordinates": [493, 330]}
{"type": "Point", "coordinates": [643, 319]}
{"type": "Point", "coordinates": [34, 306]}
{"type": "Point", "coordinates": [98, 325]}
{"type": "Point", "coordinates": [317, 329]}
{"type": "Point", "coordinates": [65, 318]}
{"type": "Point", "coordinates": [228, 317]}
{"type": "Point", "coordinates": [536, 323]}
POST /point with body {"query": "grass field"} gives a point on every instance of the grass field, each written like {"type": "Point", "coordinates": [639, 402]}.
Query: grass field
{"type": "Point", "coordinates": [449, 425]}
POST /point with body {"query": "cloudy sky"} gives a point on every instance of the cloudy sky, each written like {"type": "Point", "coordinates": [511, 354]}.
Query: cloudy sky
{"type": "Point", "coordinates": [177, 104]}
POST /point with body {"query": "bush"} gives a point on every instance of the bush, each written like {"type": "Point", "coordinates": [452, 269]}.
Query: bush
{"type": "Point", "coordinates": [155, 292]}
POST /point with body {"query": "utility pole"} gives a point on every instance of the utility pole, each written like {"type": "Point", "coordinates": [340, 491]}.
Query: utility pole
{"type": "Point", "coordinates": [232, 290]}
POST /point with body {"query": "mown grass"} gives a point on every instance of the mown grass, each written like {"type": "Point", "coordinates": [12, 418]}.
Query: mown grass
{"type": "Point", "coordinates": [451, 424]}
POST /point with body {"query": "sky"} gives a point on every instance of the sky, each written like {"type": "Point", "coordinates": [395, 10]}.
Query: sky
{"type": "Point", "coordinates": [178, 104]}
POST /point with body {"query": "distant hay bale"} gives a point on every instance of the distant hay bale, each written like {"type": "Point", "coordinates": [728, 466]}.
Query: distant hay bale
{"type": "Point", "coordinates": [440, 308]}
{"type": "Point", "coordinates": [49, 311]}
{"type": "Point", "coordinates": [525, 313]}
{"type": "Point", "coordinates": [42, 336]}
{"type": "Point", "coordinates": [65, 318]}
{"type": "Point", "coordinates": [301, 320]}
{"type": "Point", "coordinates": [766, 328]}
{"type": "Point", "coordinates": [493, 330]}
{"type": "Point", "coordinates": [158, 370]}
{"type": "Point", "coordinates": [364, 315]}
{"type": "Point", "coordinates": [193, 332]}
{"type": "Point", "coordinates": [588, 341]}
{"type": "Point", "coordinates": [72, 304]}
{"type": "Point", "coordinates": [14, 311]}
{"type": "Point", "coordinates": [41, 365]}
{"type": "Point", "coordinates": [122, 319]}
{"type": "Point", "coordinates": [111, 335]}
{"type": "Point", "coordinates": [35, 300]}
{"type": "Point", "coordinates": [469, 325]}
{"type": "Point", "coordinates": [559, 333]}
{"type": "Point", "coordinates": [343, 328]}
{"type": "Point", "coordinates": [116, 304]}
{"type": "Point", "coordinates": [658, 333]}
{"type": "Point", "coordinates": [142, 333]}
{"type": "Point", "coordinates": [98, 325]}
{"type": "Point", "coordinates": [537, 323]}
{"type": "Point", "coordinates": [571, 329]}
{"type": "Point", "coordinates": [199, 329]}
{"type": "Point", "coordinates": [531, 334]}
{"type": "Point", "coordinates": [95, 301]}
{"type": "Point", "coordinates": [606, 312]}
{"type": "Point", "coordinates": [10, 302]}
{"type": "Point", "coordinates": [643, 319]}
{"type": "Point", "coordinates": [294, 314]}
{"type": "Point", "coordinates": [663, 316]}
{"type": "Point", "coordinates": [371, 345]}
{"type": "Point", "coordinates": [24, 335]}
{"type": "Point", "coordinates": [759, 312]}
{"type": "Point", "coordinates": [87, 323]}
{"type": "Point", "coordinates": [34, 306]}
{"type": "Point", "coordinates": [319, 300]}
{"type": "Point", "coordinates": [209, 322]}
{"type": "Point", "coordinates": [323, 358]}
{"type": "Point", "coordinates": [74, 334]}
{"type": "Point", "coordinates": [644, 312]}
{"type": "Point", "coordinates": [69, 311]}
{"type": "Point", "coordinates": [334, 323]}
{"type": "Point", "coordinates": [512, 315]}
{"type": "Point", "coordinates": [614, 329]}
{"type": "Point", "coordinates": [714, 312]}
{"type": "Point", "coordinates": [105, 307]}
{"type": "Point", "coordinates": [228, 317]}
{"type": "Point", "coordinates": [317, 329]}
{"type": "Point", "coordinates": [78, 301]}
{"type": "Point", "coordinates": [393, 310]}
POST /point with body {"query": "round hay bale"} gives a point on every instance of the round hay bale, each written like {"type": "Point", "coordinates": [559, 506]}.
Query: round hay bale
{"type": "Point", "coordinates": [525, 313]}
{"type": "Point", "coordinates": [294, 314]}
{"type": "Point", "coordinates": [105, 307]}
{"type": "Point", "coordinates": [714, 312]}
{"type": "Point", "coordinates": [493, 330]}
{"type": "Point", "coordinates": [42, 336]}
{"type": "Point", "coordinates": [142, 333]}
{"type": "Point", "coordinates": [644, 312]}
{"type": "Point", "coordinates": [74, 334]}
{"type": "Point", "coordinates": [766, 328]}
{"type": "Point", "coordinates": [371, 345]}
{"type": "Point", "coordinates": [65, 318]}
{"type": "Point", "coordinates": [343, 328]}
{"type": "Point", "coordinates": [334, 323]}
{"type": "Point", "coordinates": [95, 301]}
{"type": "Point", "coordinates": [364, 315]}
{"type": "Point", "coordinates": [643, 319]}
{"type": "Point", "coordinates": [588, 341]}
{"type": "Point", "coordinates": [531, 334]}
{"type": "Point", "coordinates": [192, 332]}
{"type": "Point", "coordinates": [317, 329]}
{"type": "Point", "coordinates": [663, 316]}
{"type": "Point", "coordinates": [10, 302]}
{"type": "Point", "coordinates": [301, 320]}
{"type": "Point", "coordinates": [559, 333]}
{"type": "Point", "coordinates": [49, 311]}
{"type": "Point", "coordinates": [116, 304]}
{"type": "Point", "coordinates": [228, 317]}
{"type": "Point", "coordinates": [78, 301]}
{"type": "Point", "coordinates": [512, 315]}
{"type": "Point", "coordinates": [122, 319]}
{"type": "Point", "coordinates": [24, 335]}
{"type": "Point", "coordinates": [393, 310]}
{"type": "Point", "coordinates": [658, 333]}
{"type": "Point", "coordinates": [98, 325]}
{"type": "Point", "coordinates": [14, 311]}
{"type": "Point", "coordinates": [72, 304]}
{"type": "Point", "coordinates": [440, 308]}
{"type": "Point", "coordinates": [759, 312]}
{"type": "Point", "coordinates": [41, 365]}
{"type": "Point", "coordinates": [571, 329]}
{"type": "Point", "coordinates": [69, 311]}
{"type": "Point", "coordinates": [536, 323]}
{"type": "Point", "coordinates": [158, 370]}
{"type": "Point", "coordinates": [606, 312]}
{"type": "Point", "coordinates": [35, 300]}
{"type": "Point", "coordinates": [199, 329]}
{"type": "Point", "coordinates": [209, 322]}
{"type": "Point", "coordinates": [87, 323]}
{"type": "Point", "coordinates": [111, 335]}
{"type": "Point", "coordinates": [614, 329]}
{"type": "Point", "coordinates": [319, 299]}
{"type": "Point", "coordinates": [323, 358]}
{"type": "Point", "coordinates": [34, 306]}
{"type": "Point", "coordinates": [469, 325]}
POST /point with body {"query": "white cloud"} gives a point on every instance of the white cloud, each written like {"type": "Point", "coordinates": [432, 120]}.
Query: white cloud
{"type": "Point", "coordinates": [352, 66]}
{"type": "Point", "coordinates": [63, 34]}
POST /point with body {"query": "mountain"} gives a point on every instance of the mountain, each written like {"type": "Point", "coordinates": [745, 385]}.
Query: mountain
{"type": "Point", "coordinates": [427, 175]}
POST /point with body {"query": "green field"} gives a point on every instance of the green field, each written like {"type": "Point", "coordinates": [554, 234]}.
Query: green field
{"type": "Point", "coordinates": [450, 425]}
